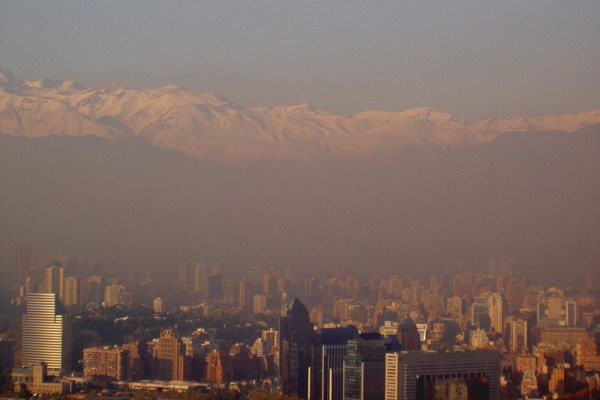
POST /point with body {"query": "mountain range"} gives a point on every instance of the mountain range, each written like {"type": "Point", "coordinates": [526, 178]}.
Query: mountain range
{"type": "Point", "coordinates": [152, 178]}
{"type": "Point", "coordinates": [210, 126]}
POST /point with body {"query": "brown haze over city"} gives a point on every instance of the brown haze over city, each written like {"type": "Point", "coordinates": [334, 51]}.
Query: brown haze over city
{"type": "Point", "coordinates": [407, 138]}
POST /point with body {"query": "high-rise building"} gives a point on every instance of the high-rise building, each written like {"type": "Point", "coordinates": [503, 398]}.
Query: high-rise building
{"type": "Point", "coordinates": [71, 292]}
{"type": "Point", "coordinates": [160, 305]}
{"type": "Point", "coordinates": [408, 335]}
{"type": "Point", "coordinates": [327, 366]}
{"type": "Point", "coordinates": [454, 306]}
{"type": "Point", "coordinates": [7, 355]}
{"type": "Point", "coordinates": [216, 269]}
{"type": "Point", "coordinates": [428, 375]}
{"type": "Point", "coordinates": [218, 367]}
{"type": "Point", "coordinates": [311, 288]}
{"type": "Point", "coordinates": [170, 361]}
{"type": "Point", "coordinates": [45, 333]}
{"type": "Point", "coordinates": [245, 365]}
{"type": "Point", "coordinates": [230, 292]}
{"type": "Point", "coordinates": [200, 275]}
{"type": "Point", "coordinates": [557, 382]}
{"type": "Point", "coordinates": [246, 294]}
{"type": "Point", "coordinates": [183, 275]}
{"type": "Point", "coordinates": [518, 336]}
{"type": "Point", "coordinates": [92, 290]}
{"type": "Point", "coordinates": [587, 354]}
{"type": "Point", "coordinates": [259, 304]}
{"type": "Point", "coordinates": [22, 263]}
{"type": "Point", "coordinates": [112, 295]}
{"type": "Point", "coordinates": [554, 307]}
{"type": "Point", "coordinates": [516, 292]}
{"type": "Point", "coordinates": [139, 360]}
{"type": "Point", "coordinates": [570, 313]}
{"type": "Point", "coordinates": [109, 362]}
{"type": "Point", "coordinates": [497, 312]}
{"type": "Point", "coordinates": [55, 275]}
{"type": "Point", "coordinates": [271, 337]}
{"type": "Point", "coordinates": [506, 266]}
{"type": "Point", "coordinates": [364, 368]}
{"type": "Point", "coordinates": [479, 308]}
{"type": "Point", "coordinates": [528, 382]}
{"type": "Point", "coordinates": [295, 340]}
{"type": "Point", "coordinates": [214, 287]}
{"type": "Point", "coordinates": [351, 287]}
{"type": "Point", "coordinates": [269, 285]}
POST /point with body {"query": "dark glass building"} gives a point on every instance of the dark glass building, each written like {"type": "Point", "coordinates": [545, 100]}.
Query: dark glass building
{"type": "Point", "coordinates": [364, 368]}
{"type": "Point", "coordinates": [295, 342]}
{"type": "Point", "coordinates": [408, 335]}
{"type": "Point", "coordinates": [326, 380]}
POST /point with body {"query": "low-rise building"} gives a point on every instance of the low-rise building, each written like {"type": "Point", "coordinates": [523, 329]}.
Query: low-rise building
{"type": "Point", "coordinates": [35, 379]}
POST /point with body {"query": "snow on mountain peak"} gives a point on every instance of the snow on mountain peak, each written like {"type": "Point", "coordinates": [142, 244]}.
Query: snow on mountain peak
{"type": "Point", "coordinates": [6, 74]}
{"type": "Point", "coordinates": [298, 107]}
{"type": "Point", "coordinates": [68, 85]}
{"type": "Point", "coordinates": [428, 114]}
{"type": "Point", "coordinates": [210, 125]}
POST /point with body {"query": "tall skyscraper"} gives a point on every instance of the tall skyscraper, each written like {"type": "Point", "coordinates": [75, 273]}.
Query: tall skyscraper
{"type": "Point", "coordinates": [246, 294]}
{"type": "Point", "coordinates": [364, 368]}
{"type": "Point", "coordinates": [497, 312]}
{"type": "Point", "coordinates": [516, 292]}
{"type": "Point", "coordinates": [295, 339]}
{"type": "Point", "coordinates": [45, 333]}
{"type": "Point", "coordinates": [71, 291]}
{"type": "Point", "coordinates": [570, 313]}
{"type": "Point", "coordinates": [454, 306]}
{"type": "Point", "coordinates": [183, 275]}
{"type": "Point", "coordinates": [408, 335]}
{"type": "Point", "coordinates": [269, 285]}
{"type": "Point", "coordinates": [518, 336]}
{"type": "Point", "coordinates": [112, 295]}
{"type": "Point", "coordinates": [214, 287]}
{"type": "Point", "coordinates": [200, 274]}
{"type": "Point", "coordinates": [55, 275]}
{"type": "Point", "coordinates": [479, 308]}
{"type": "Point", "coordinates": [22, 263]}
{"type": "Point", "coordinates": [94, 290]}
{"type": "Point", "coordinates": [327, 366]}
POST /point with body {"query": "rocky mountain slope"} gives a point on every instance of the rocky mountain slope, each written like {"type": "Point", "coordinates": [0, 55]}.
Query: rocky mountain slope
{"type": "Point", "coordinates": [210, 126]}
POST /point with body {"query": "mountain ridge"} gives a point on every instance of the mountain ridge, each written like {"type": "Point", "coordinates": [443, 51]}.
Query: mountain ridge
{"type": "Point", "coordinates": [210, 126]}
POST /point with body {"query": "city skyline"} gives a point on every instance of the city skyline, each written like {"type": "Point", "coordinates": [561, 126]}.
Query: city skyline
{"type": "Point", "coordinates": [297, 200]}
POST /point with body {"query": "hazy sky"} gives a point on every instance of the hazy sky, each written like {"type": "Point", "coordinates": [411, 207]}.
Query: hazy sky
{"type": "Point", "coordinates": [476, 59]}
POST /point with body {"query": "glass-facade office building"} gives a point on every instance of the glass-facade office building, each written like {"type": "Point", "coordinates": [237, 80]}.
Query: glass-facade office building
{"type": "Point", "coordinates": [326, 377]}
{"type": "Point", "coordinates": [364, 368]}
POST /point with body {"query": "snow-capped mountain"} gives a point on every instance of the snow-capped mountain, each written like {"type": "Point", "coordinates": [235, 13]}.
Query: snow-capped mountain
{"type": "Point", "coordinates": [211, 126]}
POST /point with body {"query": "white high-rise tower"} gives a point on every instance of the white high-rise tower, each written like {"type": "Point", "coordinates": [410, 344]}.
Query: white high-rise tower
{"type": "Point", "coordinates": [45, 333]}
